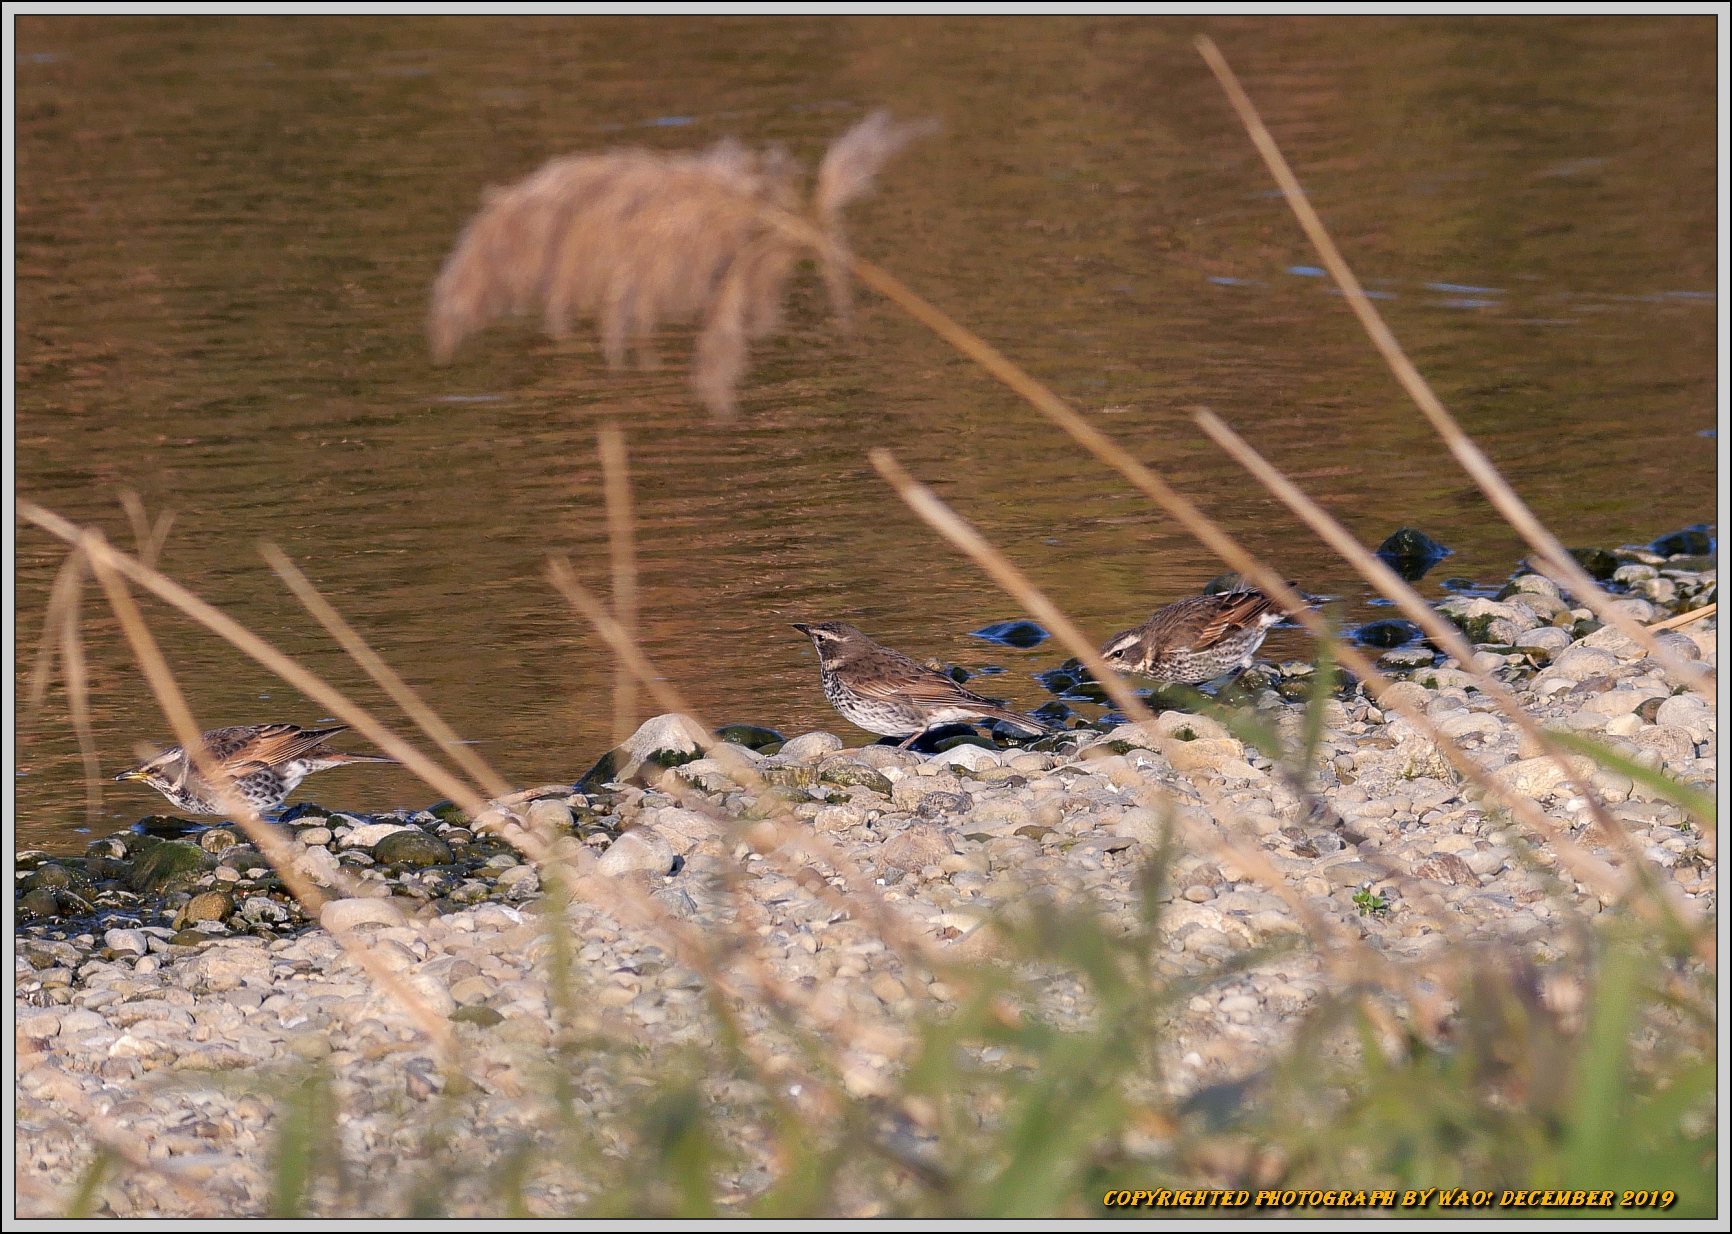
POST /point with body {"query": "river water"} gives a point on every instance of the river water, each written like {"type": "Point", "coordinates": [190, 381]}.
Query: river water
{"type": "Point", "coordinates": [227, 228]}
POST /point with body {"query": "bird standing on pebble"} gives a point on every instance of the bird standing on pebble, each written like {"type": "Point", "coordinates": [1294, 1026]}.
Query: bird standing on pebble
{"type": "Point", "coordinates": [266, 762]}
{"type": "Point", "coordinates": [886, 692]}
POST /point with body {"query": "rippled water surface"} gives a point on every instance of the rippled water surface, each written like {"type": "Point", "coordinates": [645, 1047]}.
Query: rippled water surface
{"type": "Point", "coordinates": [226, 231]}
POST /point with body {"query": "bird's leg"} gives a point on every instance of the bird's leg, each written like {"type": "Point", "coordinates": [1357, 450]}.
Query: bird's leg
{"type": "Point", "coordinates": [909, 740]}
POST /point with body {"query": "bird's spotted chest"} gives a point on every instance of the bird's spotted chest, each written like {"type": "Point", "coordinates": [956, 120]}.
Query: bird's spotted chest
{"type": "Point", "coordinates": [1192, 667]}
{"type": "Point", "coordinates": [881, 716]}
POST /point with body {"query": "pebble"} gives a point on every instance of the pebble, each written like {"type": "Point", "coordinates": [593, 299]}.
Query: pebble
{"type": "Point", "coordinates": [641, 848]}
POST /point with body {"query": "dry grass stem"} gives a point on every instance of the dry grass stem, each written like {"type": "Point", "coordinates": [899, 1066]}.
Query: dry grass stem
{"type": "Point", "coordinates": [61, 629]}
{"type": "Point", "coordinates": [637, 239]}
{"type": "Point", "coordinates": [1442, 631]}
{"type": "Point", "coordinates": [622, 552]}
{"type": "Point", "coordinates": [1553, 559]}
{"type": "Point", "coordinates": [269, 840]}
{"type": "Point", "coordinates": [491, 782]}
{"type": "Point", "coordinates": [1684, 619]}
{"type": "Point", "coordinates": [151, 536]}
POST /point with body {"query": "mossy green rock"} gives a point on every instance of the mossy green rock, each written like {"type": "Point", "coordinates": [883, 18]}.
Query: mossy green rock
{"type": "Point", "coordinates": [412, 848]}
{"type": "Point", "coordinates": [486, 1017]}
{"type": "Point", "coordinates": [448, 812]}
{"type": "Point", "coordinates": [207, 906]}
{"type": "Point", "coordinates": [848, 774]}
{"type": "Point", "coordinates": [789, 777]}
{"type": "Point", "coordinates": [169, 866]}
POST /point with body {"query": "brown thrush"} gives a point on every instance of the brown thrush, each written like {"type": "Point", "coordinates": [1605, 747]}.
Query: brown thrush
{"type": "Point", "coordinates": [265, 762]}
{"type": "Point", "coordinates": [885, 692]}
{"type": "Point", "coordinates": [1197, 639]}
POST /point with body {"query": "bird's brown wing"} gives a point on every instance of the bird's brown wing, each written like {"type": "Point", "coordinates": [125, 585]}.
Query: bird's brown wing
{"type": "Point", "coordinates": [1232, 611]}
{"type": "Point", "coordinates": [891, 675]}
{"type": "Point", "coordinates": [272, 745]}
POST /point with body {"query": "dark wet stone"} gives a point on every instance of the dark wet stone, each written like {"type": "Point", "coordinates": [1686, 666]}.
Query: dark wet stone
{"type": "Point", "coordinates": [207, 906]}
{"type": "Point", "coordinates": [30, 858]}
{"type": "Point", "coordinates": [752, 736]}
{"type": "Point", "coordinates": [962, 739]}
{"type": "Point", "coordinates": [1411, 553]}
{"type": "Point", "coordinates": [41, 903]}
{"type": "Point", "coordinates": [1054, 713]}
{"type": "Point", "coordinates": [1466, 586]}
{"type": "Point", "coordinates": [192, 938]}
{"type": "Point", "coordinates": [169, 866]}
{"type": "Point", "coordinates": [1255, 679]}
{"type": "Point", "coordinates": [303, 811]}
{"type": "Point", "coordinates": [1057, 680]}
{"type": "Point", "coordinates": [108, 869]}
{"type": "Point", "coordinates": [486, 1017]}
{"type": "Point", "coordinates": [218, 838]}
{"type": "Point", "coordinates": [606, 768]}
{"type": "Point", "coordinates": [1391, 632]}
{"type": "Point", "coordinates": [1649, 709]}
{"type": "Point", "coordinates": [1696, 540]}
{"type": "Point", "coordinates": [1020, 633]}
{"type": "Point", "coordinates": [412, 848]}
{"type": "Point", "coordinates": [54, 877]}
{"type": "Point", "coordinates": [168, 827]}
{"type": "Point", "coordinates": [242, 857]}
{"type": "Point", "coordinates": [1585, 627]}
{"type": "Point", "coordinates": [1598, 562]}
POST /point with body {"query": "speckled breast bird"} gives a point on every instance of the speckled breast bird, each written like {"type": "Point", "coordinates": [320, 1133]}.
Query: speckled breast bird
{"type": "Point", "coordinates": [885, 692]}
{"type": "Point", "coordinates": [266, 762]}
{"type": "Point", "coordinates": [1197, 639]}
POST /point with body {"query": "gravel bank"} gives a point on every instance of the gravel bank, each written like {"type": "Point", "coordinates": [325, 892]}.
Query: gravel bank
{"type": "Point", "coordinates": [162, 1000]}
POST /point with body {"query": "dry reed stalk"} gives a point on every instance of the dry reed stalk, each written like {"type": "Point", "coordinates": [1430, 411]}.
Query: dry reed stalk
{"type": "Point", "coordinates": [270, 842]}
{"type": "Point", "coordinates": [790, 834]}
{"type": "Point", "coordinates": [151, 536]}
{"type": "Point", "coordinates": [622, 552]}
{"type": "Point", "coordinates": [429, 721]}
{"type": "Point", "coordinates": [1346, 955]}
{"type": "Point", "coordinates": [1684, 619]}
{"type": "Point", "coordinates": [60, 629]}
{"type": "Point", "coordinates": [1553, 559]}
{"type": "Point", "coordinates": [635, 239]}
{"type": "Point", "coordinates": [1442, 631]}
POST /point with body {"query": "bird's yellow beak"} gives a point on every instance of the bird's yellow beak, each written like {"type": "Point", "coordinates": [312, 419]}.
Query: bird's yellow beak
{"type": "Point", "coordinates": [134, 774]}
